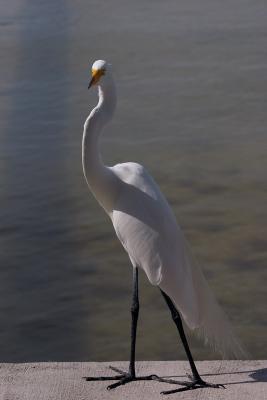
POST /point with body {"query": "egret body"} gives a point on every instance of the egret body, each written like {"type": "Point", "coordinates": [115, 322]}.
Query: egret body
{"type": "Point", "coordinates": [148, 231]}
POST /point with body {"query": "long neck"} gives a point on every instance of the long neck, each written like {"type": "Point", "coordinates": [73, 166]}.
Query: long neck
{"type": "Point", "coordinates": [96, 174]}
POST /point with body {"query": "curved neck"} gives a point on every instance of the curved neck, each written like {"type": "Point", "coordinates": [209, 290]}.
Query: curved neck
{"type": "Point", "coordinates": [94, 170]}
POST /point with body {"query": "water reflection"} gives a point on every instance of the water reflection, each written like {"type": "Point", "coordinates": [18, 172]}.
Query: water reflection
{"type": "Point", "coordinates": [36, 278]}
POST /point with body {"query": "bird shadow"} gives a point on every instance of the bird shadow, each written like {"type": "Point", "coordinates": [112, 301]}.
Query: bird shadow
{"type": "Point", "coordinates": [257, 375]}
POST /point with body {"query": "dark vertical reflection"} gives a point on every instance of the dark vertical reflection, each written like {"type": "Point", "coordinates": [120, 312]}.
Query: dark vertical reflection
{"type": "Point", "coordinates": [36, 281]}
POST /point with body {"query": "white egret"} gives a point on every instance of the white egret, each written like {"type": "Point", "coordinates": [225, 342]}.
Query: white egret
{"type": "Point", "coordinates": [148, 231]}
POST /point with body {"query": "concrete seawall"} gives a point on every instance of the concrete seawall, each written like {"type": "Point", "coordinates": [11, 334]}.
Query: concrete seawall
{"type": "Point", "coordinates": [64, 380]}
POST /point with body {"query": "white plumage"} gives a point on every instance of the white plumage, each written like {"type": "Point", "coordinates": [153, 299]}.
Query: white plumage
{"type": "Point", "coordinates": [147, 227]}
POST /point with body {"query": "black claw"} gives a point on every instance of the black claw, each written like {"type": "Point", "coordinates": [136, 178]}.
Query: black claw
{"type": "Point", "coordinates": [222, 386]}
{"type": "Point", "coordinates": [110, 387]}
{"type": "Point", "coordinates": [183, 389]}
{"type": "Point", "coordinates": [126, 377]}
{"type": "Point", "coordinates": [154, 377]}
{"type": "Point", "coordinates": [101, 378]}
{"type": "Point", "coordinates": [198, 384]}
{"type": "Point", "coordinates": [120, 383]}
{"type": "Point", "coordinates": [117, 370]}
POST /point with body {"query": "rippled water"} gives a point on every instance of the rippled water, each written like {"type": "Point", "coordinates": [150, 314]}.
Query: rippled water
{"type": "Point", "coordinates": [191, 80]}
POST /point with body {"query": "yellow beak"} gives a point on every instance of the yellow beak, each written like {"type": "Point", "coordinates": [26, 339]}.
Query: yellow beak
{"type": "Point", "coordinates": [96, 75]}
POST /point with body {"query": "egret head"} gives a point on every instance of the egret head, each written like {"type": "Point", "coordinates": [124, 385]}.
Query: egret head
{"type": "Point", "coordinates": [100, 72]}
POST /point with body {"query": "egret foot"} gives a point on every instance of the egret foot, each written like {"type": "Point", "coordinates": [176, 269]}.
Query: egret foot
{"type": "Point", "coordinates": [195, 384]}
{"type": "Point", "coordinates": [126, 377]}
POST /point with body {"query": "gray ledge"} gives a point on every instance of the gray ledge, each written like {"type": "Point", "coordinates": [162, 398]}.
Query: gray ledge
{"type": "Point", "coordinates": [63, 380]}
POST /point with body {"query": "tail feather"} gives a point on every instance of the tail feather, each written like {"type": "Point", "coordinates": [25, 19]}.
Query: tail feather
{"type": "Point", "coordinates": [214, 326]}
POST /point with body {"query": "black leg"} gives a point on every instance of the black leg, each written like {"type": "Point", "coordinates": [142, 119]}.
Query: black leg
{"type": "Point", "coordinates": [125, 377]}
{"type": "Point", "coordinates": [178, 322]}
{"type": "Point", "coordinates": [130, 376]}
{"type": "Point", "coordinates": [135, 313]}
{"type": "Point", "coordinates": [197, 381]}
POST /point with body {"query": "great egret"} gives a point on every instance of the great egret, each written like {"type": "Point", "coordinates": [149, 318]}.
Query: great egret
{"type": "Point", "coordinates": [148, 231]}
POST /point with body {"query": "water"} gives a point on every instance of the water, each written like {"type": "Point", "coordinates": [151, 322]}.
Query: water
{"type": "Point", "coordinates": [192, 108]}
